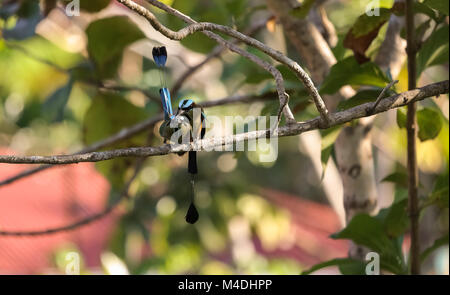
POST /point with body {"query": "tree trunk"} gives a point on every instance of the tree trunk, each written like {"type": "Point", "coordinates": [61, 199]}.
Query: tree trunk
{"type": "Point", "coordinates": [353, 147]}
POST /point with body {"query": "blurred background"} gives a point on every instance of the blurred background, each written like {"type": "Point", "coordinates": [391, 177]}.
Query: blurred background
{"type": "Point", "coordinates": [58, 94]}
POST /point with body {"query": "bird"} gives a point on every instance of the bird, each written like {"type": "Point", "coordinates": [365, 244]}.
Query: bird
{"type": "Point", "coordinates": [196, 118]}
{"type": "Point", "coordinates": [188, 123]}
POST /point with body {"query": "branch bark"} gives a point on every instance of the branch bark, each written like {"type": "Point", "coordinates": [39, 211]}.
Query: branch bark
{"type": "Point", "coordinates": [216, 52]}
{"type": "Point", "coordinates": [138, 128]}
{"type": "Point", "coordinates": [209, 144]}
{"type": "Point", "coordinates": [411, 130]}
{"type": "Point", "coordinates": [353, 146]}
{"type": "Point", "coordinates": [193, 27]}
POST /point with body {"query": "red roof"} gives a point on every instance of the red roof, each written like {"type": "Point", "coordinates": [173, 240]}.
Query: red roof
{"type": "Point", "coordinates": [61, 195]}
{"type": "Point", "coordinates": [312, 224]}
{"type": "Point", "coordinates": [54, 197]}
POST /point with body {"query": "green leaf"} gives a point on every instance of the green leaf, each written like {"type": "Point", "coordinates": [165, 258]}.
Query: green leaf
{"type": "Point", "coordinates": [429, 122]}
{"type": "Point", "coordinates": [369, 231]}
{"type": "Point", "coordinates": [395, 218]}
{"type": "Point", "coordinates": [107, 38]}
{"type": "Point", "coordinates": [401, 117]}
{"type": "Point", "coordinates": [53, 107]}
{"type": "Point", "coordinates": [270, 108]}
{"type": "Point", "coordinates": [362, 96]}
{"type": "Point", "coordinates": [31, 111]}
{"type": "Point", "coordinates": [205, 11]}
{"type": "Point", "coordinates": [367, 23]}
{"type": "Point", "coordinates": [440, 192]}
{"type": "Point", "coordinates": [424, 9]}
{"type": "Point", "coordinates": [107, 115]}
{"type": "Point", "coordinates": [399, 178]}
{"type": "Point", "coordinates": [339, 50]}
{"type": "Point", "coordinates": [440, 5]}
{"type": "Point", "coordinates": [355, 268]}
{"type": "Point", "coordinates": [235, 8]}
{"type": "Point", "coordinates": [199, 43]}
{"type": "Point", "coordinates": [434, 51]}
{"type": "Point", "coordinates": [341, 262]}
{"type": "Point", "coordinates": [349, 72]}
{"type": "Point", "coordinates": [329, 136]}
{"type": "Point", "coordinates": [400, 194]}
{"type": "Point", "coordinates": [93, 6]}
{"type": "Point", "coordinates": [437, 244]}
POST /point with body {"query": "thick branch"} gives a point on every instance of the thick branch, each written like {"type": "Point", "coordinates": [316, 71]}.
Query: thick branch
{"type": "Point", "coordinates": [138, 128]}
{"type": "Point", "coordinates": [357, 112]}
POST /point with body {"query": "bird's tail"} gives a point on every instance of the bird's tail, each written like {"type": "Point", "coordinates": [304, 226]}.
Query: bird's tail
{"type": "Point", "coordinates": [160, 58]}
{"type": "Point", "coordinates": [192, 213]}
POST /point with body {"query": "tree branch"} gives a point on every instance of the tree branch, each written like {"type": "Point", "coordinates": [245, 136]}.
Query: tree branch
{"type": "Point", "coordinates": [128, 132]}
{"type": "Point", "coordinates": [99, 84]}
{"type": "Point", "coordinates": [84, 221]}
{"type": "Point", "coordinates": [216, 52]}
{"type": "Point", "coordinates": [205, 28]}
{"type": "Point", "coordinates": [411, 131]}
{"type": "Point", "coordinates": [282, 95]}
{"type": "Point", "coordinates": [380, 97]}
{"type": "Point", "coordinates": [337, 118]}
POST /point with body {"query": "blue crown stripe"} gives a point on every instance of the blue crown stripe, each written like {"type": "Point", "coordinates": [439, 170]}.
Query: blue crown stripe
{"type": "Point", "coordinates": [168, 101]}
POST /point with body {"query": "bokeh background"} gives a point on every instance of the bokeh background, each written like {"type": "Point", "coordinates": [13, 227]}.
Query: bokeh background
{"type": "Point", "coordinates": [255, 218]}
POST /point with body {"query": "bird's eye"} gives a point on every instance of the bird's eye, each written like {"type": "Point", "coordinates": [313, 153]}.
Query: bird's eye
{"type": "Point", "coordinates": [185, 104]}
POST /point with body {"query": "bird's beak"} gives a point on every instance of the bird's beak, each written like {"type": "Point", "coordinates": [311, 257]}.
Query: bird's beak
{"type": "Point", "coordinates": [179, 112]}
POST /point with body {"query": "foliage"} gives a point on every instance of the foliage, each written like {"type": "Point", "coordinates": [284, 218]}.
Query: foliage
{"type": "Point", "coordinates": [355, 74]}
{"type": "Point", "coordinates": [54, 98]}
{"type": "Point", "coordinates": [107, 39]}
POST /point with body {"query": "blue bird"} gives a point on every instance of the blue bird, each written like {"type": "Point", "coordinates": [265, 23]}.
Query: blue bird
{"type": "Point", "coordinates": [189, 121]}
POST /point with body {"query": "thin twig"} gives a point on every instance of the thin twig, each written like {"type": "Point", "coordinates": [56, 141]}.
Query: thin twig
{"type": "Point", "coordinates": [114, 87]}
{"type": "Point", "coordinates": [123, 134]}
{"type": "Point", "coordinates": [216, 52]}
{"type": "Point", "coordinates": [205, 28]}
{"type": "Point", "coordinates": [411, 131]}
{"type": "Point", "coordinates": [83, 221]}
{"type": "Point", "coordinates": [380, 97]}
{"type": "Point", "coordinates": [209, 144]}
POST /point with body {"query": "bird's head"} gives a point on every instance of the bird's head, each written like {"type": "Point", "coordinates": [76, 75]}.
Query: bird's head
{"type": "Point", "coordinates": [185, 105]}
